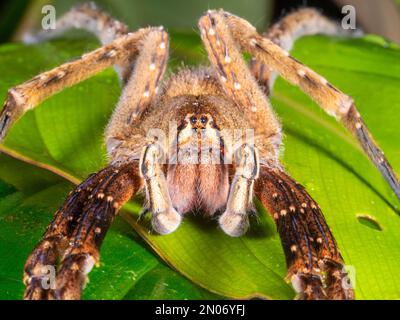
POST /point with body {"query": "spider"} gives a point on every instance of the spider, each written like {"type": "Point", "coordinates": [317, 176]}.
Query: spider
{"type": "Point", "coordinates": [206, 104]}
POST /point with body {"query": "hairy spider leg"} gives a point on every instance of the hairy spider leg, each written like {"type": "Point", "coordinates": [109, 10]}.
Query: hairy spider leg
{"type": "Point", "coordinates": [221, 34]}
{"type": "Point", "coordinates": [31, 93]}
{"type": "Point", "coordinates": [285, 32]}
{"type": "Point", "coordinates": [331, 99]}
{"type": "Point", "coordinates": [77, 232]}
{"type": "Point", "coordinates": [315, 266]}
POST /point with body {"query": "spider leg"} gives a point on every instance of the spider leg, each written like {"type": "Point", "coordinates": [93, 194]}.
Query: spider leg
{"type": "Point", "coordinates": [238, 83]}
{"type": "Point", "coordinates": [331, 99]}
{"type": "Point", "coordinates": [88, 17]}
{"type": "Point", "coordinates": [56, 238]}
{"type": "Point", "coordinates": [139, 92]}
{"type": "Point", "coordinates": [234, 221]}
{"type": "Point", "coordinates": [77, 231]}
{"type": "Point", "coordinates": [84, 16]}
{"type": "Point", "coordinates": [165, 219]}
{"type": "Point", "coordinates": [31, 93]}
{"type": "Point", "coordinates": [309, 246]}
{"type": "Point", "coordinates": [285, 32]}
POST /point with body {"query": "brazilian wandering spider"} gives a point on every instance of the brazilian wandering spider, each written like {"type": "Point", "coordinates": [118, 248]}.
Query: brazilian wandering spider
{"type": "Point", "coordinates": [205, 104]}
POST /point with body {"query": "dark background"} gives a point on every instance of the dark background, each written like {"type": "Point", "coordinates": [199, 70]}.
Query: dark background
{"type": "Point", "coordinates": [380, 17]}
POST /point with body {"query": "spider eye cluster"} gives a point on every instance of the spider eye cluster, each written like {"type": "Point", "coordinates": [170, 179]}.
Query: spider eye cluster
{"type": "Point", "coordinates": [199, 120]}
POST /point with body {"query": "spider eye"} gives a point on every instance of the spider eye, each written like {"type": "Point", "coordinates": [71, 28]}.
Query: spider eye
{"type": "Point", "coordinates": [193, 119]}
{"type": "Point", "coordinates": [203, 120]}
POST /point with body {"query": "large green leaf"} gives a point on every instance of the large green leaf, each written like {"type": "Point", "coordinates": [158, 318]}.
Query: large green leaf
{"type": "Point", "coordinates": [65, 135]}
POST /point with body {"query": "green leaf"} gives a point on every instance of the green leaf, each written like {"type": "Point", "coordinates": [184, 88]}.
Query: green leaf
{"type": "Point", "coordinates": [138, 13]}
{"type": "Point", "coordinates": [162, 284]}
{"type": "Point", "coordinates": [64, 134]}
{"type": "Point", "coordinates": [328, 162]}
{"type": "Point", "coordinates": [72, 146]}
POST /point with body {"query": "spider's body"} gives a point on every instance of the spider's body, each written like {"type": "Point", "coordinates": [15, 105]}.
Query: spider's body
{"type": "Point", "coordinates": [197, 177]}
{"type": "Point", "coordinates": [206, 139]}
{"type": "Point", "coordinates": [199, 127]}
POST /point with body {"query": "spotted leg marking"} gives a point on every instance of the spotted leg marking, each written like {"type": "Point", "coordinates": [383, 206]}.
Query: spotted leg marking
{"type": "Point", "coordinates": [284, 33]}
{"type": "Point", "coordinates": [315, 266]}
{"type": "Point", "coordinates": [31, 93]}
{"type": "Point", "coordinates": [239, 85]}
{"type": "Point", "coordinates": [139, 92]}
{"type": "Point", "coordinates": [331, 99]}
{"type": "Point", "coordinates": [56, 239]}
{"type": "Point", "coordinates": [77, 231]}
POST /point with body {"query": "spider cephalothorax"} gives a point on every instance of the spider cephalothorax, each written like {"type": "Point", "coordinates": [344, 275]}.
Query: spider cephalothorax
{"type": "Point", "coordinates": [205, 139]}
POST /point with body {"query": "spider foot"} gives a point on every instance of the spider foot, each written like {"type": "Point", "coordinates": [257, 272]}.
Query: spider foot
{"type": "Point", "coordinates": [308, 286]}
{"type": "Point", "coordinates": [328, 282]}
{"type": "Point", "coordinates": [9, 113]}
{"type": "Point", "coordinates": [339, 286]}
{"type": "Point", "coordinates": [166, 222]}
{"type": "Point", "coordinates": [233, 223]}
{"type": "Point", "coordinates": [4, 123]}
{"type": "Point", "coordinates": [35, 291]}
{"type": "Point", "coordinates": [40, 270]}
{"type": "Point", "coordinates": [72, 276]}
